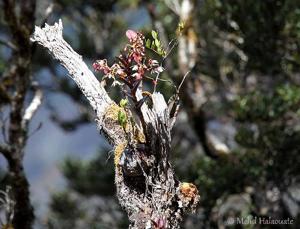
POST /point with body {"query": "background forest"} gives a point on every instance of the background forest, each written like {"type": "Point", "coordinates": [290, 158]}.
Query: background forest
{"type": "Point", "coordinates": [238, 132]}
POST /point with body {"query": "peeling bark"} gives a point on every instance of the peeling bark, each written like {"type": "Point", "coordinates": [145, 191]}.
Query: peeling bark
{"type": "Point", "coordinates": [146, 185]}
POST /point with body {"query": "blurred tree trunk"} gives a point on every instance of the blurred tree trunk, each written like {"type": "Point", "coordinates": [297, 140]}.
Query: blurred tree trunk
{"type": "Point", "coordinates": [16, 82]}
{"type": "Point", "coordinates": [192, 93]}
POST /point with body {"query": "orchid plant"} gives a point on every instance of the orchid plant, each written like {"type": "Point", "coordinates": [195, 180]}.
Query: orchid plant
{"type": "Point", "coordinates": [132, 66]}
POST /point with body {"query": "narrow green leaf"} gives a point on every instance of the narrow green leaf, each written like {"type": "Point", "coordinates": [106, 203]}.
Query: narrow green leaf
{"type": "Point", "coordinates": [154, 34]}
{"type": "Point", "coordinates": [148, 43]}
{"type": "Point", "coordinates": [153, 45]}
{"type": "Point", "coordinates": [157, 43]}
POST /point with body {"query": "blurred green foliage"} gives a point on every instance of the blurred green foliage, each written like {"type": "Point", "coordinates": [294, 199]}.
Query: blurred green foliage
{"type": "Point", "coordinates": [84, 177]}
{"type": "Point", "coordinates": [268, 106]}
{"type": "Point", "coordinates": [89, 196]}
{"type": "Point", "coordinates": [245, 169]}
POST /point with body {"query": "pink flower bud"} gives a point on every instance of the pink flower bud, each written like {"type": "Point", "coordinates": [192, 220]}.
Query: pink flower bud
{"type": "Point", "coordinates": [96, 66]}
{"type": "Point", "coordinates": [131, 35]}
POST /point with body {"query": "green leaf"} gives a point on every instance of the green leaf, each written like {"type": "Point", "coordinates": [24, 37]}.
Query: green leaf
{"type": "Point", "coordinates": [123, 103]}
{"type": "Point", "coordinates": [148, 43]}
{"type": "Point", "coordinates": [157, 43]}
{"type": "Point", "coordinates": [153, 45]}
{"type": "Point", "coordinates": [154, 34]}
{"type": "Point", "coordinates": [122, 118]}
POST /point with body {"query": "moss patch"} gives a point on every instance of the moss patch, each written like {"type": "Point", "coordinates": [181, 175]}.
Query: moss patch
{"type": "Point", "coordinates": [112, 113]}
{"type": "Point", "coordinates": [118, 152]}
{"type": "Point", "coordinates": [140, 137]}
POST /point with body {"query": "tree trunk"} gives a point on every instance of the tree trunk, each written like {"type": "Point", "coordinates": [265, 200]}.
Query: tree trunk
{"type": "Point", "coordinates": [19, 72]}
{"type": "Point", "coordinates": [23, 213]}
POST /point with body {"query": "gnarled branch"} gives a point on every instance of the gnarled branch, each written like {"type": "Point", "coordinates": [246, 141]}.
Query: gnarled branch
{"type": "Point", "coordinates": [51, 38]}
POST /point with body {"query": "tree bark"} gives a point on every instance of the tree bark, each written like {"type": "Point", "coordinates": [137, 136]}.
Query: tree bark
{"type": "Point", "coordinates": [146, 185]}
{"type": "Point", "coordinates": [19, 72]}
